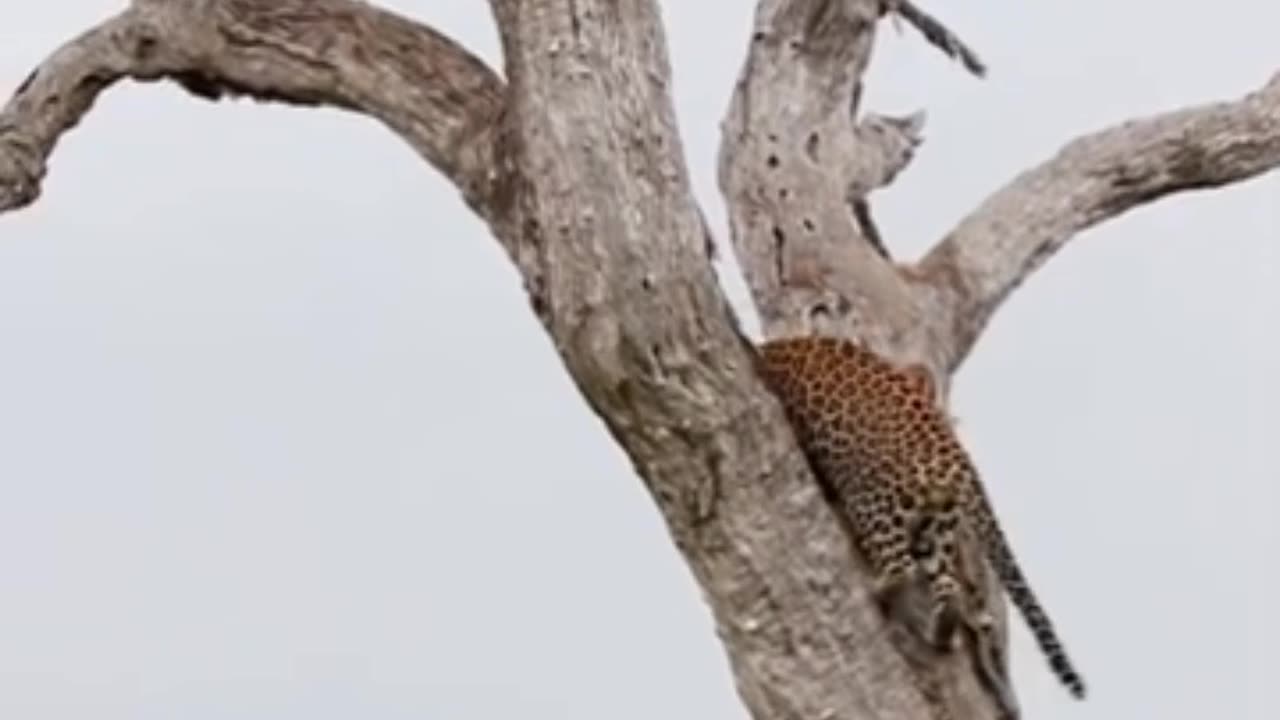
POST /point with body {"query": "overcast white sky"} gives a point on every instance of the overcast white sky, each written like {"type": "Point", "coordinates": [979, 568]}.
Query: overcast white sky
{"type": "Point", "coordinates": [280, 437]}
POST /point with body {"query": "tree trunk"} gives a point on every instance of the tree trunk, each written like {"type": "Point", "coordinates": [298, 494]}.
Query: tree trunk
{"type": "Point", "coordinates": [574, 162]}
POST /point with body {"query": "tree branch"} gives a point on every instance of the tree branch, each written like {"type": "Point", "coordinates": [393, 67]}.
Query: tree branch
{"type": "Point", "coordinates": [441, 99]}
{"type": "Point", "coordinates": [612, 248]}
{"type": "Point", "coordinates": [1093, 178]}
{"type": "Point", "coordinates": [579, 170]}
{"type": "Point", "coordinates": [938, 35]}
{"type": "Point", "coordinates": [792, 162]}
{"type": "Point", "coordinates": [886, 145]}
{"type": "Point", "coordinates": [795, 169]}
{"type": "Point", "coordinates": [577, 166]}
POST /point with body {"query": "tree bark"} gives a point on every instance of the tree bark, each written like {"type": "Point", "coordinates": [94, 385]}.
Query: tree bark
{"type": "Point", "coordinates": [1091, 179]}
{"type": "Point", "coordinates": [575, 163]}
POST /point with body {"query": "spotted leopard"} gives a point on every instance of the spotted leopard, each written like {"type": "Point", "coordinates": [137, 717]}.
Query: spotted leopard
{"type": "Point", "coordinates": [888, 455]}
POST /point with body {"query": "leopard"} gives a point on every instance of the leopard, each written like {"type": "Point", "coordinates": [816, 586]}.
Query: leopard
{"type": "Point", "coordinates": [886, 453]}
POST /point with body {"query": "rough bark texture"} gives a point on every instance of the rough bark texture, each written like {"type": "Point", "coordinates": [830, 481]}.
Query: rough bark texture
{"type": "Point", "coordinates": [575, 163]}
{"type": "Point", "coordinates": [1092, 179]}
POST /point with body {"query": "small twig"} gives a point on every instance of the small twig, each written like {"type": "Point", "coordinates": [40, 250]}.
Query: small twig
{"type": "Point", "coordinates": [937, 34]}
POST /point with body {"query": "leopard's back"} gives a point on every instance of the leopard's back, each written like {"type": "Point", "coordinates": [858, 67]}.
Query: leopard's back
{"type": "Point", "coordinates": [889, 458]}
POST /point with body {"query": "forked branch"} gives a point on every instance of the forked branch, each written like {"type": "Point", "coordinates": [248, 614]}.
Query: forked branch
{"type": "Point", "coordinates": [1093, 178]}
{"type": "Point", "coordinates": [793, 160]}
{"type": "Point", "coordinates": [797, 162]}
{"type": "Point", "coordinates": [577, 166]}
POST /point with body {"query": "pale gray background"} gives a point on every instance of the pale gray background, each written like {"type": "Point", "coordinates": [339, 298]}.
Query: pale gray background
{"type": "Point", "coordinates": [280, 438]}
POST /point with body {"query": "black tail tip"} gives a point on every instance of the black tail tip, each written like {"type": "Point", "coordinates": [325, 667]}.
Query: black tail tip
{"type": "Point", "coordinates": [1075, 684]}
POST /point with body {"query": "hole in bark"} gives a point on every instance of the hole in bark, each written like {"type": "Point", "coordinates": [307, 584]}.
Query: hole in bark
{"type": "Point", "coordinates": [531, 232]}
{"type": "Point", "coordinates": [539, 304]}
{"type": "Point", "coordinates": [819, 312]}
{"type": "Point", "coordinates": [784, 193]}
{"type": "Point", "coordinates": [811, 146]}
{"type": "Point", "coordinates": [772, 137]}
{"type": "Point", "coordinates": [145, 47]}
{"type": "Point", "coordinates": [779, 237]}
{"type": "Point", "coordinates": [808, 224]}
{"type": "Point", "coordinates": [772, 161]}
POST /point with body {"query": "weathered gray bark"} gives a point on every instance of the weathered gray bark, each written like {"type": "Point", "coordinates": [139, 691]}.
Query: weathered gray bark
{"type": "Point", "coordinates": [575, 163]}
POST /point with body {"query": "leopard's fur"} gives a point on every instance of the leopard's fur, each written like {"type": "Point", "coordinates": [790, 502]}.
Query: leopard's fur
{"type": "Point", "coordinates": [889, 457]}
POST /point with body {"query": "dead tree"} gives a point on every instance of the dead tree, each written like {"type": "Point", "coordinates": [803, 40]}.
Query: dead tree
{"type": "Point", "coordinates": [572, 158]}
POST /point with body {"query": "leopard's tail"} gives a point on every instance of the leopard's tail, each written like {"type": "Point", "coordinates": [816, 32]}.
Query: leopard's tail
{"type": "Point", "coordinates": [1002, 560]}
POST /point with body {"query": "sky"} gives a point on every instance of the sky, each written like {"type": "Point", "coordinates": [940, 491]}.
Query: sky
{"type": "Point", "coordinates": [280, 437]}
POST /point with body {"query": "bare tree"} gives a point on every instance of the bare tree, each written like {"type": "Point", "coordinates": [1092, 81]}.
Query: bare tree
{"type": "Point", "coordinates": [572, 158]}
